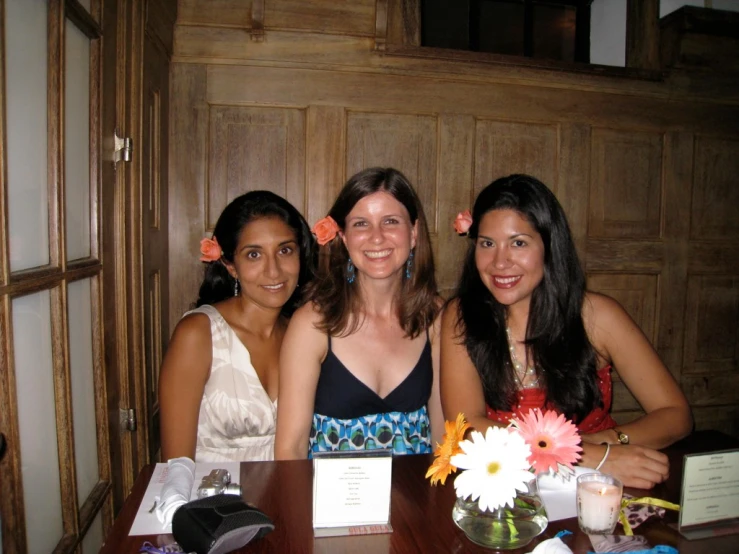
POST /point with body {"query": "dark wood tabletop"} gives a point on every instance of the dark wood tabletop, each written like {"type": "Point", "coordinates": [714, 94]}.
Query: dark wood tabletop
{"type": "Point", "coordinates": [420, 514]}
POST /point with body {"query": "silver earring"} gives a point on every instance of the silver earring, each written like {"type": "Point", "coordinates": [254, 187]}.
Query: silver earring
{"type": "Point", "coordinates": [236, 287]}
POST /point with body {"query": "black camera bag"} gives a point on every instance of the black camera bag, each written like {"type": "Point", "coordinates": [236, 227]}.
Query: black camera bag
{"type": "Point", "coordinates": [218, 524]}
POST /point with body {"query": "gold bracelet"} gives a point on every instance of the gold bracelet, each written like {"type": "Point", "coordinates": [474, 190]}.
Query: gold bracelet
{"type": "Point", "coordinates": [603, 460]}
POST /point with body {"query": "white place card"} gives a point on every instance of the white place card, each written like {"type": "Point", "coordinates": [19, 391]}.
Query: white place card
{"type": "Point", "coordinates": [351, 492]}
{"type": "Point", "coordinates": [710, 493]}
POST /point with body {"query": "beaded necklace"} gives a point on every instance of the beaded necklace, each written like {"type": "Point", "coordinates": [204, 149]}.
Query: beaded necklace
{"type": "Point", "coordinates": [525, 378]}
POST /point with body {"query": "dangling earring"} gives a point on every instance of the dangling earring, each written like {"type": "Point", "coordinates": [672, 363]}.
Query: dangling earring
{"type": "Point", "coordinates": [350, 274]}
{"type": "Point", "coordinates": [237, 287]}
{"type": "Point", "coordinates": [409, 265]}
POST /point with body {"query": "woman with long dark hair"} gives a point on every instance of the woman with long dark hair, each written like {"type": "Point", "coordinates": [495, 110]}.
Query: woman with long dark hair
{"type": "Point", "coordinates": [359, 359]}
{"type": "Point", "coordinates": [522, 332]}
{"type": "Point", "coordinates": [219, 380]}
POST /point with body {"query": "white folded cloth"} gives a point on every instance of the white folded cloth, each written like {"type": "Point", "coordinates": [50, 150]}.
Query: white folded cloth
{"type": "Point", "coordinates": [551, 546]}
{"type": "Point", "coordinates": [176, 489]}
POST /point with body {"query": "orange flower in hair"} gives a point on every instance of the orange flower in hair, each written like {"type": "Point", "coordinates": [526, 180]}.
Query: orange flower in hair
{"type": "Point", "coordinates": [463, 222]}
{"type": "Point", "coordinates": [325, 230]}
{"type": "Point", "coordinates": [210, 250]}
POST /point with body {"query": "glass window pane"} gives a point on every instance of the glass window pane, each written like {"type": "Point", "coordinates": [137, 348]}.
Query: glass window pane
{"type": "Point", "coordinates": [445, 24]}
{"type": "Point", "coordinates": [77, 142]}
{"type": "Point", "coordinates": [26, 112]}
{"type": "Point", "coordinates": [86, 4]}
{"type": "Point", "coordinates": [93, 541]}
{"type": "Point", "coordinates": [500, 27]}
{"type": "Point", "coordinates": [37, 421]}
{"type": "Point", "coordinates": [83, 387]}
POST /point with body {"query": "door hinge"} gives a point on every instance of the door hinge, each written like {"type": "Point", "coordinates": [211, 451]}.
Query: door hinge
{"type": "Point", "coordinates": [128, 419]}
{"type": "Point", "coordinates": [122, 148]}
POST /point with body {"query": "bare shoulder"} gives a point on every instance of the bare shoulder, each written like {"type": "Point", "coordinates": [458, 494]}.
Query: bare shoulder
{"type": "Point", "coordinates": [307, 316]}
{"type": "Point", "coordinates": [193, 329]}
{"type": "Point", "coordinates": [304, 338]}
{"type": "Point", "coordinates": [450, 313]}
{"type": "Point", "coordinates": [602, 311]}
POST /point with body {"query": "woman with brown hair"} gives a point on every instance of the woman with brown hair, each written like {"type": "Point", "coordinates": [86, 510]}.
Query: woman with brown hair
{"type": "Point", "coordinates": [359, 362]}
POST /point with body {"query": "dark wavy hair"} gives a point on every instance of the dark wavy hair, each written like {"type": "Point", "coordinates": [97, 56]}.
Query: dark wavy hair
{"type": "Point", "coordinates": [217, 283]}
{"type": "Point", "coordinates": [564, 358]}
{"type": "Point", "coordinates": [336, 299]}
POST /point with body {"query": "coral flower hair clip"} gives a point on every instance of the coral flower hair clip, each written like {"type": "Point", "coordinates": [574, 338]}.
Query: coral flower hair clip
{"type": "Point", "coordinates": [325, 230]}
{"type": "Point", "coordinates": [463, 222]}
{"type": "Point", "coordinates": [210, 250]}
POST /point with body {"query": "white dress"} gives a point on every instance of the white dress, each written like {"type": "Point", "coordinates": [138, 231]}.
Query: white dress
{"type": "Point", "coordinates": [237, 419]}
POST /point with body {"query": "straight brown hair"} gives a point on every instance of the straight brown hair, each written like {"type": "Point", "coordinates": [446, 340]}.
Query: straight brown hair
{"type": "Point", "coordinates": [336, 299]}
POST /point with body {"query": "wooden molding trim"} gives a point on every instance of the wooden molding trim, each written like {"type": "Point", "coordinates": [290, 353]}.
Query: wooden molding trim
{"type": "Point", "coordinates": [381, 25]}
{"type": "Point", "coordinates": [642, 34]}
{"type": "Point", "coordinates": [257, 21]}
{"type": "Point", "coordinates": [78, 15]}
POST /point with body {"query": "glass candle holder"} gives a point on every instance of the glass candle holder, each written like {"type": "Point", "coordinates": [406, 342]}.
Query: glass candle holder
{"type": "Point", "coordinates": [598, 503]}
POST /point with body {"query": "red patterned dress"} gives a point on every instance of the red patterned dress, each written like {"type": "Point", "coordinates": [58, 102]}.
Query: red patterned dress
{"type": "Point", "coordinates": [598, 420]}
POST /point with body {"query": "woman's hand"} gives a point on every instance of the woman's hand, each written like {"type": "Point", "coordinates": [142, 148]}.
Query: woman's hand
{"type": "Point", "coordinates": [635, 466]}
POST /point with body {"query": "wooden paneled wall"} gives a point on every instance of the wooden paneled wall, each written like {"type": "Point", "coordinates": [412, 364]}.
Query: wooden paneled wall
{"type": "Point", "coordinates": [295, 96]}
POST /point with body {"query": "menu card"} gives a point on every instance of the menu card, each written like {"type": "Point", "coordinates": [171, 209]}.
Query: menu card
{"type": "Point", "coordinates": [710, 494]}
{"type": "Point", "coordinates": [351, 492]}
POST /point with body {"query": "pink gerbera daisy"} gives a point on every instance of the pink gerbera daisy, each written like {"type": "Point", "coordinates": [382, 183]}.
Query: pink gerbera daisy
{"type": "Point", "coordinates": [553, 440]}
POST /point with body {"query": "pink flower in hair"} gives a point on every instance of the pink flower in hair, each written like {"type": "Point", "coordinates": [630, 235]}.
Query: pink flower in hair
{"type": "Point", "coordinates": [463, 222]}
{"type": "Point", "coordinates": [210, 250]}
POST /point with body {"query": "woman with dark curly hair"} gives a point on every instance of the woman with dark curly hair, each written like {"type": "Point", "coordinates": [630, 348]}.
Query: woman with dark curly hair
{"type": "Point", "coordinates": [219, 380]}
{"type": "Point", "coordinates": [359, 360]}
{"type": "Point", "coordinates": [522, 332]}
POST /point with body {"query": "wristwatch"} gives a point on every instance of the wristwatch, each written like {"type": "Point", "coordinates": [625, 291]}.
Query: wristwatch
{"type": "Point", "coordinates": [622, 437]}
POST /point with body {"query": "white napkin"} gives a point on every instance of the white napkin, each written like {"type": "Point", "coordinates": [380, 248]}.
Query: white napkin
{"type": "Point", "coordinates": [558, 494]}
{"type": "Point", "coordinates": [551, 546]}
{"type": "Point", "coordinates": [176, 489]}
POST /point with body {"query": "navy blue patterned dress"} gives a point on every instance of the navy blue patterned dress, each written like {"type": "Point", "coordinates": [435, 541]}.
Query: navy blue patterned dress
{"type": "Point", "coordinates": [351, 416]}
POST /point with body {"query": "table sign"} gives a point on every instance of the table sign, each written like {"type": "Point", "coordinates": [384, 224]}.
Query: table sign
{"type": "Point", "coordinates": [709, 503]}
{"type": "Point", "coordinates": [351, 492]}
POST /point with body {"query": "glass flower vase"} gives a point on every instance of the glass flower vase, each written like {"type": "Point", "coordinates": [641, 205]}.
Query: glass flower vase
{"type": "Point", "coordinates": [503, 528]}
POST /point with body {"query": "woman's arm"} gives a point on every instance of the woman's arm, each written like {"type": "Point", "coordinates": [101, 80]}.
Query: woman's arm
{"type": "Point", "coordinates": [461, 388]}
{"type": "Point", "coordinates": [434, 405]}
{"type": "Point", "coordinates": [303, 349]}
{"type": "Point", "coordinates": [618, 337]}
{"type": "Point", "coordinates": [184, 372]}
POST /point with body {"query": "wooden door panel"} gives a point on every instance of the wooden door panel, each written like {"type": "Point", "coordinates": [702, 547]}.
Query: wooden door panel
{"type": "Point", "coordinates": [503, 148]}
{"type": "Point", "coordinates": [626, 184]}
{"type": "Point", "coordinates": [715, 192]}
{"type": "Point", "coordinates": [455, 184]}
{"type": "Point", "coordinates": [253, 149]}
{"type": "Point", "coordinates": [712, 326]}
{"type": "Point", "coordinates": [154, 232]}
{"type": "Point", "coordinates": [405, 142]}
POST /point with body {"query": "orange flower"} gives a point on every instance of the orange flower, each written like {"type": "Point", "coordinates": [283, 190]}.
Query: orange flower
{"type": "Point", "coordinates": [210, 250]}
{"type": "Point", "coordinates": [442, 467]}
{"type": "Point", "coordinates": [325, 230]}
{"type": "Point", "coordinates": [463, 222]}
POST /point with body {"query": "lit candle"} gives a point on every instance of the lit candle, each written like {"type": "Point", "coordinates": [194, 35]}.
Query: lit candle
{"type": "Point", "coordinates": [598, 503]}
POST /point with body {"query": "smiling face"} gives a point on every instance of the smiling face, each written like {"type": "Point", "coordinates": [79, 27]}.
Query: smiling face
{"type": "Point", "coordinates": [379, 236]}
{"type": "Point", "coordinates": [509, 255]}
{"type": "Point", "coordinates": [266, 262]}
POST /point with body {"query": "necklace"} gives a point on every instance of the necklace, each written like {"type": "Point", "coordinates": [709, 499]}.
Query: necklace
{"type": "Point", "coordinates": [525, 377]}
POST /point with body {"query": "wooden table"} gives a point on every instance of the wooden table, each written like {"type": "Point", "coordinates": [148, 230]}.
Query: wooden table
{"type": "Point", "coordinates": [420, 514]}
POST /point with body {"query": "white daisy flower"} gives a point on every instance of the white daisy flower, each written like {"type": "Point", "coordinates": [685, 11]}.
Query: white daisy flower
{"type": "Point", "coordinates": [496, 465]}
